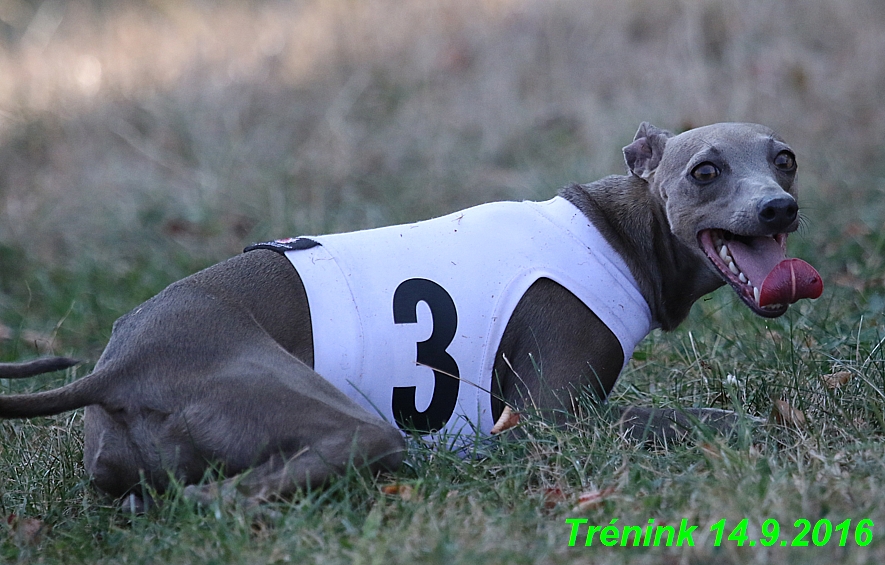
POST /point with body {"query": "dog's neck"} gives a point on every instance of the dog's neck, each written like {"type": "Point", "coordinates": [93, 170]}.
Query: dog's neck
{"type": "Point", "coordinates": [670, 275]}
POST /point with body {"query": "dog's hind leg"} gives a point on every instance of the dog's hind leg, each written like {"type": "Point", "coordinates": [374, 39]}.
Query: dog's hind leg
{"type": "Point", "coordinates": [252, 411]}
{"type": "Point", "coordinates": [310, 434]}
{"type": "Point", "coordinates": [282, 474]}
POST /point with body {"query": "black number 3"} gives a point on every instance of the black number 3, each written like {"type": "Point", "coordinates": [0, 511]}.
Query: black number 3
{"type": "Point", "coordinates": [431, 353]}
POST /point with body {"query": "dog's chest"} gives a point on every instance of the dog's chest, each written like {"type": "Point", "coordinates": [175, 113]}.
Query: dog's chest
{"type": "Point", "coordinates": [407, 319]}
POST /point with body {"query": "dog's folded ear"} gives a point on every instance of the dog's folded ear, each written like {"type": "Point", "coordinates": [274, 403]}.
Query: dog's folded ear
{"type": "Point", "coordinates": [644, 154]}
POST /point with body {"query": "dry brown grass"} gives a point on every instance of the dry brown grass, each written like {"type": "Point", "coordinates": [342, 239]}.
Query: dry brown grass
{"type": "Point", "coordinates": [210, 124]}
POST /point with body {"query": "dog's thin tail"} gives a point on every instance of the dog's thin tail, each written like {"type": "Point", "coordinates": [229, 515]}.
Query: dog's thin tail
{"type": "Point", "coordinates": [35, 367]}
{"type": "Point", "coordinates": [70, 397]}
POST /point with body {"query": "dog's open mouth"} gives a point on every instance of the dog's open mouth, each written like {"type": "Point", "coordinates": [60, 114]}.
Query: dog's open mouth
{"type": "Point", "coordinates": [759, 271]}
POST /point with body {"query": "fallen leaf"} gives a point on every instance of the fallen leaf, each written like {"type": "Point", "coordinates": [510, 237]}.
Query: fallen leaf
{"type": "Point", "coordinates": [836, 380]}
{"type": "Point", "coordinates": [593, 498]}
{"type": "Point", "coordinates": [29, 531]}
{"type": "Point", "coordinates": [851, 281]}
{"type": "Point", "coordinates": [553, 496]}
{"type": "Point", "coordinates": [405, 492]}
{"type": "Point", "coordinates": [856, 229]}
{"type": "Point", "coordinates": [711, 450]}
{"type": "Point", "coordinates": [508, 419]}
{"type": "Point", "coordinates": [784, 414]}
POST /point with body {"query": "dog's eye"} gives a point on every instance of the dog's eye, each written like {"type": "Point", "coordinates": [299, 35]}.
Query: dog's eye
{"type": "Point", "coordinates": [705, 172]}
{"type": "Point", "coordinates": [785, 161]}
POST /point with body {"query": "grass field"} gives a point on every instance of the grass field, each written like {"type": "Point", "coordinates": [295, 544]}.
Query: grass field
{"type": "Point", "coordinates": [141, 141]}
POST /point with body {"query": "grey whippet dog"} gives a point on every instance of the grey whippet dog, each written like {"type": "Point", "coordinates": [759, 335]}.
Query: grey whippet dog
{"type": "Point", "coordinates": [216, 371]}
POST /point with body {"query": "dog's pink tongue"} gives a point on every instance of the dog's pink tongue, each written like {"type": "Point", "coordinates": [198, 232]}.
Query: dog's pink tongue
{"type": "Point", "coordinates": [789, 281]}
{"type": "Point", "coordinates": [783, 281]}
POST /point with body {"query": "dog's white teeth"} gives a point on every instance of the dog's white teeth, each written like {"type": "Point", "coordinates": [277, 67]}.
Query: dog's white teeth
{"type": "Point", "coordinates": [756, 294]}
{"type": "Point", "coordinates": [732, 266]}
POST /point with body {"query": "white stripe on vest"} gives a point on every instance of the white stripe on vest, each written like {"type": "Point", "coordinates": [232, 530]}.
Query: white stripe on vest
{"type": "Point", "coordinates": [455, 279]}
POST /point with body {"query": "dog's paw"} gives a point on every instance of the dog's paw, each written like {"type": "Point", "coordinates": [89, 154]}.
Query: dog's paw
{"type": "Point", "coordinates": [135, 505]}
{"type": "Point", "coordinates": [666, 426]}
{"type": "Point", "coordinates": [205, 495]}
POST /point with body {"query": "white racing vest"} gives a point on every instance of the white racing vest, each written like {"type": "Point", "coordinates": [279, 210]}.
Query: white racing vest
{"type": "Point", "coordinates": [407, 319]}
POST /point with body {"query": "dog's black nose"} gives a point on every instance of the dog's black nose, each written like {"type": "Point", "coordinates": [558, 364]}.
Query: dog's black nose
{"type": "Point", "coordinates": [778, 212]}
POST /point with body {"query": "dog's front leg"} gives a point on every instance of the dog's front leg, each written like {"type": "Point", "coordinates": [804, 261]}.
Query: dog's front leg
{"type": "Point", "coordinates": [554, 350]}
{"type": "Point", "coordinates": [663, 426]}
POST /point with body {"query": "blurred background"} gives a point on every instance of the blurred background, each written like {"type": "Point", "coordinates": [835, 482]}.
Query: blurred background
{"type": "Point", "coordinates": [141, 140]}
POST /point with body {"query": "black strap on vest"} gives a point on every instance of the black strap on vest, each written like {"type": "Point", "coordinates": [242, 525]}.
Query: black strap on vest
{"type": "Point", "coordinates": [283, 245]}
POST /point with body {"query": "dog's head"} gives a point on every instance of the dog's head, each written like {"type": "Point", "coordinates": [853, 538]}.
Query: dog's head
{"type": "Point", "coordinates": [729, 191]}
